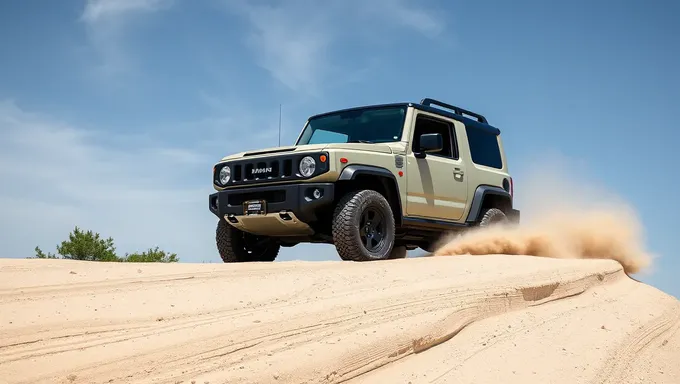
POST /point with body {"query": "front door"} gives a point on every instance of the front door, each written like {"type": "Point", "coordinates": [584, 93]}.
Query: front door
{"type": "Point", "coordinates": [436, 184]}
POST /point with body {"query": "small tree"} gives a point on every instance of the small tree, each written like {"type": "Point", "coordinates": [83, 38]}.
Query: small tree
{"type": "Point", "coordinates": [87, 246]}
{"type": "Point", "coordinates": [39, 254]}
{"type": "Point", "coordinates": [90, 246]}
{"type": "Point", "coordinates": [83, 246]}
{"type": "Point", "coordinates": [151, 256]}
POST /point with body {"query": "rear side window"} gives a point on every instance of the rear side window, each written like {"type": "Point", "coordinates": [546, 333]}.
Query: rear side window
{"type": "Point", "coordinates": [484, 148]}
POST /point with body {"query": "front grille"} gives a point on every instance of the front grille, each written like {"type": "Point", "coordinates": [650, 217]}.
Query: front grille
{"type": "Point", "coordinates": [268, 169]}
{"type": "Point", "coordinates": [272, 170]}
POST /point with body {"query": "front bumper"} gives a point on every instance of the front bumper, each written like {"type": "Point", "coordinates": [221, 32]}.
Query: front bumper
{"type": "Point", "coordinates": [293, 206]}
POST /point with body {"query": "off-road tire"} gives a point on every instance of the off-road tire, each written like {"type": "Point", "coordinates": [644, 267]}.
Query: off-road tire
{"type": "Point", "coordinates": [492, 216]}
{"type": "Point", "coordinates": [233, 245]}
{"type": "Point", "coordinates": [347, 218]}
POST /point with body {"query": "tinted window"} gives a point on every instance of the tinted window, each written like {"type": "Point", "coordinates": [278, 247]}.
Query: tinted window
{"type": "Point", "coordinates": [484, 148]}
{"type": "Point", "coordinates": [375, 125]}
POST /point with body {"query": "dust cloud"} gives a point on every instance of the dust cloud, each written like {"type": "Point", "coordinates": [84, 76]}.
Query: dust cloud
{"type": "Point", "coordinates": [561, 218]}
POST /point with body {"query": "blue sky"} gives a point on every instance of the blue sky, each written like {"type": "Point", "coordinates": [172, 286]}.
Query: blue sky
{"type": "Point", "coordinates": [112, 112]}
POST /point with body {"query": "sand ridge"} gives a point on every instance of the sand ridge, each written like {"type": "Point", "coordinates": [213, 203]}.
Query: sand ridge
{"type": "Point", "coordinates": [419, 320]}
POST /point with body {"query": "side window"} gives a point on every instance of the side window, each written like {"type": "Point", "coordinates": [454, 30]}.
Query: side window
{"type": "Point", "coordinates": [484, 148]}
{"type": "Point", "coordinates": [427, 124]}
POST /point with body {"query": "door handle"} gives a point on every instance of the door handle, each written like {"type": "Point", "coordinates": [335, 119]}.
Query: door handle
{"type": "Point", "coordinates": [457, 171]}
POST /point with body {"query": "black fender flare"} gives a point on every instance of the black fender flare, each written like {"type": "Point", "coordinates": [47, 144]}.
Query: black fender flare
{"type": "Point", "coordinates": [478, 199]}
{"type": "Point", "coordinates": [350, 172]}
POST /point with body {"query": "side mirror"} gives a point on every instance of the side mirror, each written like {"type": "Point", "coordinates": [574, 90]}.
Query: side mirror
{"type": "Point", "coordinates": [430, 142]}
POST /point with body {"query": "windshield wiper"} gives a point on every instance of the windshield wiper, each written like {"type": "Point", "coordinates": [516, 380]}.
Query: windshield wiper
{"type": "Point", "coordinates": [361, 141]}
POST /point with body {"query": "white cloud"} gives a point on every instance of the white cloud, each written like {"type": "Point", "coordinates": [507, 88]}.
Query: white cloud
{"type": "Point", "coordinates": [294, 39]}
{"type": "Point", "coordinates": [56, 176]}
{"type": "Point", "coordinates": [107, 21]}
{"type": "Point", "coordinates": [412, 16]}
{"type": "Point", "coordinates": [98, 10]}
{"type": "Point", "coordinates": [289, 41]}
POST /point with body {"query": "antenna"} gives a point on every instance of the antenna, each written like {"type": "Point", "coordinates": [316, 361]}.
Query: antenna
{"type": "Point", "coordinates": [279, 125]}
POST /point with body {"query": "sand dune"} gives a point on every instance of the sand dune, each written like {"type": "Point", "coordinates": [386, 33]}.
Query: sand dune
{"type": "Point", "coordinates": [464, 319]}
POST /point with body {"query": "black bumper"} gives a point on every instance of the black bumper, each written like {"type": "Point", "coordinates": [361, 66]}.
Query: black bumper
{"type": "Point", "coordinates": [297, 198]}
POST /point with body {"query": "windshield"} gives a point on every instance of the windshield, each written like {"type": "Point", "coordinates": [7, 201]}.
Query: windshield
{"type": "Point", "coordinates": [366, 125]}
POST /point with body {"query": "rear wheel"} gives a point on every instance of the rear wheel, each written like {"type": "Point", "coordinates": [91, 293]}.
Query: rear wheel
{"type": "Point", "coordinates": [492, 216]}
{"type": "Point", "coordinates": [363, 226]}
{"type": "Point", "coordinates": [236, 246]}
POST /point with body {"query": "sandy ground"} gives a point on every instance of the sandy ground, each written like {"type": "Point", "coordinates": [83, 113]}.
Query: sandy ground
{"type": "Point", "coordinates": [463, 319]}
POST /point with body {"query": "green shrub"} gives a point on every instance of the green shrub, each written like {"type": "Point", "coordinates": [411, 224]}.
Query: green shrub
{"type": "Point", "coordinates": [90, 246]}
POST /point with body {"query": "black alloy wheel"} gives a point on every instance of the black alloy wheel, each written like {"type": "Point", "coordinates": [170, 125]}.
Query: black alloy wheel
{"type": "Point", "coordinates": [372, 229]}
{"type": "Point", "coordinates": [363, 226]}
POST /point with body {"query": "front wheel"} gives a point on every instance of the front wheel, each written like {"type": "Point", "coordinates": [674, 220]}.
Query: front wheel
{"type": "Point", "coordinates": [363, 226]}
{"type": "Point", "coordinates": [236, 246]}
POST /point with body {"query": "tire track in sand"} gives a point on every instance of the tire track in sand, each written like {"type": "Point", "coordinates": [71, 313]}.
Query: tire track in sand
{"type": "Point", "coordinates": [331, 337]}
{"type": "Point", "coordinates": [352, 349]}
{"type": "Point", "coordinates": [651, 335]}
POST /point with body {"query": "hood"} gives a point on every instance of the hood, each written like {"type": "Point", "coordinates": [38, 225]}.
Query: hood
{"type": "Point", "coordinates": [384, 148]}
{"type": "Point", "coordinates": [275, 150]}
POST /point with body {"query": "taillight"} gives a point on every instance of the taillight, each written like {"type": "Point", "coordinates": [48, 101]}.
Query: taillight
{"type": "Point", "coordinates": [512, 188]}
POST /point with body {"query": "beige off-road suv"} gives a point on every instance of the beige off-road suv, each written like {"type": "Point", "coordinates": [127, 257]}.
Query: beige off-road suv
{"type": "Point", "coordinates": [375, 181]}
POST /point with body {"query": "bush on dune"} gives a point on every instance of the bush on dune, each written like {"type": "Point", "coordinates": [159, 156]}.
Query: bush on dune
{"type": "Point", "coordinates": [151, 256]}
{"type": "Point", "coordinates": [87, 245]}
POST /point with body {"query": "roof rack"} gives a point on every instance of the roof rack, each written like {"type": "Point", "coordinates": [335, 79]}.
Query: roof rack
{"type": "Point", "coordinates": [456, 110]}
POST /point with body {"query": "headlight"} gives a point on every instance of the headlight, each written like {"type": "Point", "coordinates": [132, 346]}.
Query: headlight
{"type": "Point", "coordinates": [307, 166]}
{"type": "Point", "coordinates": [225, 175]}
